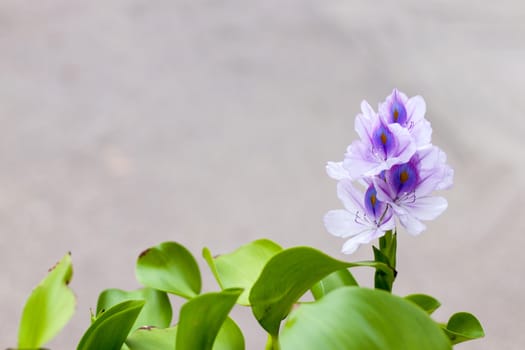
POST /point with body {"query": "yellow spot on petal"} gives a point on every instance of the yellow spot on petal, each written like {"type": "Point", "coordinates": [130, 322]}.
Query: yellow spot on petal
{"type": "Point", "coordinates": [373, 200]}
{"type": "Point", "coordinates": [383, 138]}
{"type": "Point", "coordinates": [396, 115]}
{"type": "Point", "coordinates": [403, 177]}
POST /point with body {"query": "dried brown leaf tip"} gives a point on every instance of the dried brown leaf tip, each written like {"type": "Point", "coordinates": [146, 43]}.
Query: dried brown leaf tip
{"type": "Point", "coordinates": [53, 267]}
{"type": "Point", "coordinates": [144, 253]}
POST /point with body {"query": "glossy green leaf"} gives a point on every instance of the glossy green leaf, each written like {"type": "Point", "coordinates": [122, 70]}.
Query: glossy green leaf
{"type": "Point", "coordinates": [287, 276]}
{"type": "Point", "coordinates": [426, 302]}
{"type": "Point", "coordinates": [463, 326]}
{"type": "Point", "coordinates": [111, 328]}
{"type": "Point", "coordinates": [337, 279]}
{"type": "Point", "coordinates": [352, 318]}
{"type": "Point", "coordinates": [201, 318]}
{"type": "Point", "coordinates": [229, 337]}
{"type": "Point", "coordinates": [147, 338]}
{"type": "Point", "coordinates": [241, 268]}
{"type": "Point", "coordinates": [49, 307]}
{"type": "Point", "coordinates": [169, 267]}
{"type": "Point", "coordinates": [156, 312]}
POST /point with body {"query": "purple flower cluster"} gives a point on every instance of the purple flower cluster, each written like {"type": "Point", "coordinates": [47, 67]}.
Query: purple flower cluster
{"type": "Point", "coordinates": [398, 168]}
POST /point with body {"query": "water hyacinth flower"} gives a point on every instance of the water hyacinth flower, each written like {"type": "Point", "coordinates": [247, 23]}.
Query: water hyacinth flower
{"type": "Point", "coordinates": [409, 113]}
{"type": "Point", "coordinates": [364, 218]}
{"type": "Point", "coordinates": [407, 188]}
{"type": "Point", "coordinates": [395, 160]}
{"type": "Point", "coordinates": [380, 146]}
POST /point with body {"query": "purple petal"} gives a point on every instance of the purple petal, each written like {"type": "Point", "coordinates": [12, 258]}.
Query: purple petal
{"type": "Point", "coordinates": [384, 192]}
{"type": "Point", "coordinates": [405, 146]}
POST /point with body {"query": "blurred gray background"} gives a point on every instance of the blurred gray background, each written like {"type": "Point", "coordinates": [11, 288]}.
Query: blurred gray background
{"type": "Point", "coordinates": [128, 123]}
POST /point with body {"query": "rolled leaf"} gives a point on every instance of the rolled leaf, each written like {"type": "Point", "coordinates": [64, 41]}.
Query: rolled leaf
{"type": "Point", "coordinates": [49, 307]}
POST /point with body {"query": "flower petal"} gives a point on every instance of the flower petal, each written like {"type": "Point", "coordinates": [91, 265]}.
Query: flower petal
{"type": "Point", "coordinates": [353, 243]}
{"type": "Point", "coordinates": [353, 200]}
{"type": "Point", "coordinates": [448, 179]}
{"type": "Point", "coordinates": [341, 223]}
{"type": "Point", "coordinates": [426, 208]}
{"type": "Point", "coordinates": [405, 144]}
{"type": "Point", "coordinates": [416, 108]}
{"type": "Point", "coordinates": [412, 225]}
{"type": "Point", "coordinates": [358, 160]}
{"type": "Point", "coordinates": [384, 192]}
{"type": "Point", "coordinates": [336, 171]}
{"type": "Point", "coordinates": [364, 122]}
{"type": "Point", "coordinates": [422, 133]}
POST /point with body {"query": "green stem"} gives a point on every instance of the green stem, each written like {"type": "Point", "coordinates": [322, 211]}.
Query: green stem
{"type": "Point", "coordinates": [272, 343]}
{"type": "Point", "coordinates": [387, 255]}
{"type": "Point", "coordinates": [275, 343]}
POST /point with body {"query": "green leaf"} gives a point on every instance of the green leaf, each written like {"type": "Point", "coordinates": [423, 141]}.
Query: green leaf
{"type": "Point", "coordinates": [352, 318]}
{"type": "Point", "coordinates": [201, 318]}
{"type": "Point", "coordinates": [229, 337]}
{"type": "Point", "coordinates": [111, 328]}
{"type": "Point", "coordinates": [333, 281]}
{"type": "Point", "coordinates": [463, 326]}
{"type": "Point", "coordinates": [241, 268]}
{"type": "Point", "coordinates": [171, 268]}
{"type": "Point", "coordinates": [156, 312]}
{"type": "Point", "coordinates": [426, 302]}
{"type": "Point", "coordinates": [287, 276]}
{"type": "Point", "coordinates": [49, 307]}
{"type": "Point", "coordinates": [147, 338]}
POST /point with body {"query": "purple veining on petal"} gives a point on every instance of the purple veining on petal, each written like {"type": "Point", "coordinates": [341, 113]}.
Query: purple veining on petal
{"type": "Point", "coordinates": [371, 202]}
{"type": "Point", "coordinates": [383, 141]}
{"type": "Point", "coordinates": [403, 177]}
{"type": "Point", "coordinates": [398, 112]}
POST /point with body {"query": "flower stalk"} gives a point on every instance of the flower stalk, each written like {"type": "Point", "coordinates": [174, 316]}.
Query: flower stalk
{"type": "Point", "coordinates": [386, 253]}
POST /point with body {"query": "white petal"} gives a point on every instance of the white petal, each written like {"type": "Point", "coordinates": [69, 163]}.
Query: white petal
{"type": "Point", "coordinates": [336, 171]}
{"type": "Point", "coordinates": [426, 208]}
{"type": "Point", "coordinates": [422, 133]}
{"type": "Point", "coordinates": [429, 157]}
{"type": "Point", "coordinates": [353, 243]}
{"type": "Point", "coordinates": [367, 110]}
{"type": "Point", "coordinates": [341, 223]}
{"type": "Point", "coordinates": [352, 198]}
{"type": "Point", "coordinates": [412, 225]}
{"type": "Point", "coordinates": [358, 161]}
{"type": "Point", "coordinates": [388, 225]}
{"type": "Point", "coordinates": [448, 179]}
{"type": "Point", "coordinates": [416, 108]}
